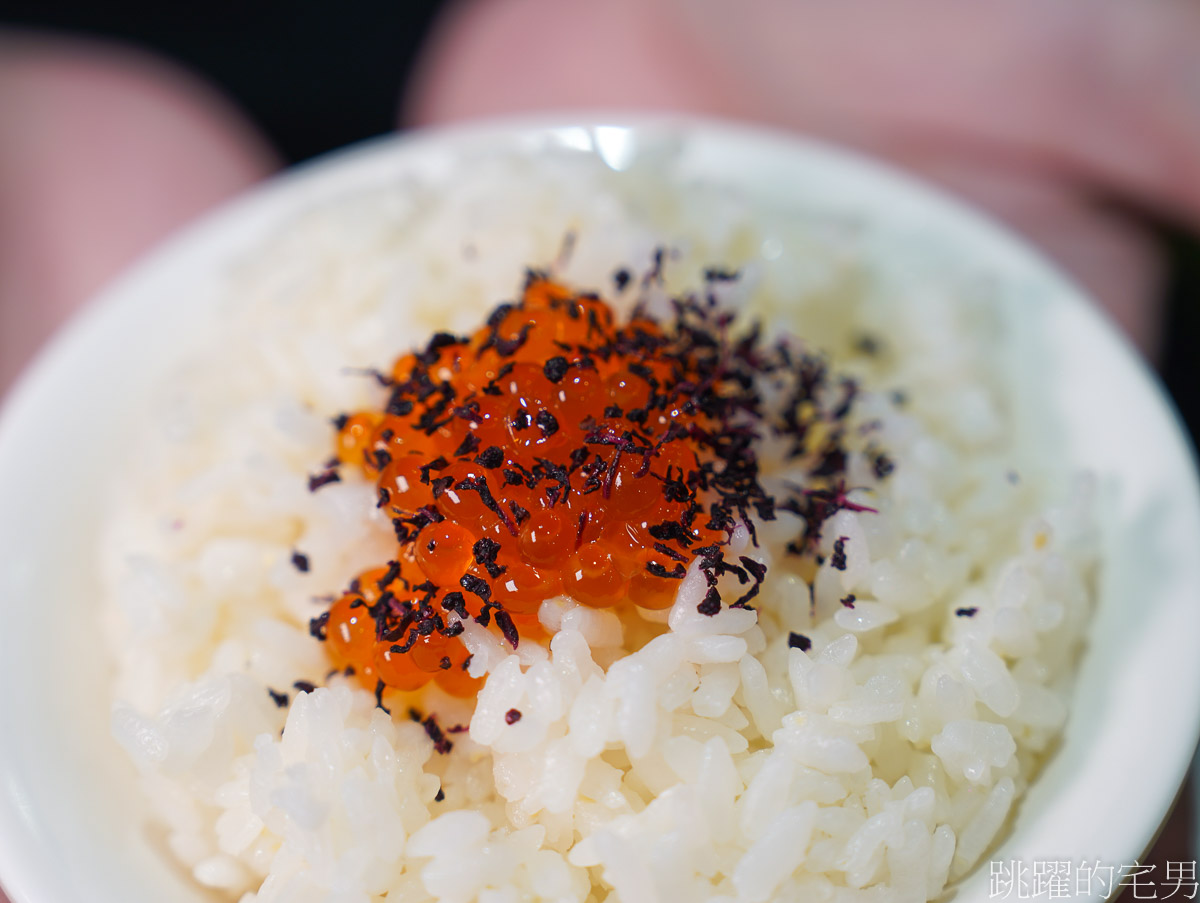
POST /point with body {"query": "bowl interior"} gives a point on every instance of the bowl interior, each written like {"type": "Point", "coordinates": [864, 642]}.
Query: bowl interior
{"type": "Point", "coordinates": [71, 820]}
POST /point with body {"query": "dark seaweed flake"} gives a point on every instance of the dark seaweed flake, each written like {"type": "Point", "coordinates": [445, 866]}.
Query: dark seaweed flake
{"type": "Point", "coordinates": [467, 446]}
{"type": "Point", "coordinates": [479, 484]}
{"type": "Point", "coordinates": [520, 515]}
{"type": "Point", "coordinates": [658, 570]}
{"type": "Point", "coordinates": [867, 344]}
{"type": "Point", "coordinates": [433, 731]}
{"type": "Point", "coordinates": [799, 641]}
{"type": "Point", "coordinates": [882, 466]}
{"type": "Point", "coordinates": [477, 586]}
{"type": "Point", "coordinates": [490, 458]}
{"type": "Point", "coordinates": [720, 274]}
{"type": "Point", "coordinates": [838, 559]}
{"type": "Point", "coordinates": [455, 602]}
{"type": "Point", "coordinates": [832, 463]}
{"type": "Point", "coordinates": [438, 463]}
{"type": "Point", "coordinates": [547, 423]}
{"type": "Point", "coordinates": [669, 552]}
{"type": "Point", "coordinates": [380, 686]}
{"type": "Point", "coordinates": [318, 625]}
{"type": "Point", "coordinates": [555, 368]}
{"type": "Point", "coordinates": [316, 481]}
{"type": "Point", "coordinates": [398, 405]}
{"type": "Point", "coordinates": [509, 630]}
{"type": "Point", "coordinates": [485, 551]}
{"type": "Point", "coordinates": [389, 576]}
{"type": "Point", "coordinates": [711, 603]}
{"type": "Point", "coordinates": [496, 317]}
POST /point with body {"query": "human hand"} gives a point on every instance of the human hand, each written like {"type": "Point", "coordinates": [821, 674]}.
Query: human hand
{"type": "Point", "coordinates": [1058, 117]}
{"type": "Point", "coordinates": [103, 152]}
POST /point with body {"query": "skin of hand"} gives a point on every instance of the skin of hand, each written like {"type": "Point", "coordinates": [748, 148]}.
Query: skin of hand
{"type": "Point", "coordinates": [103, 152]}
{"type": "Point", "coordinates": [1058, 116]}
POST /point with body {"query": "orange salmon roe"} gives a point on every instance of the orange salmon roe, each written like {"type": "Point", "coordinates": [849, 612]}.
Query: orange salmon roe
{"type": "Point", "coordinates": [551, 452]}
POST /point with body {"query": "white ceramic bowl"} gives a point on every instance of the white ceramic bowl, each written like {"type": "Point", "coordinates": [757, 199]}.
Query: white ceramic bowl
{"type": "Point", "coordinates": [71, 824]}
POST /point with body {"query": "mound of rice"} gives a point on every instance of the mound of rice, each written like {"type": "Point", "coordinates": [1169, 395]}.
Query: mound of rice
{"type": "Point", "coordinates": [670, 757]}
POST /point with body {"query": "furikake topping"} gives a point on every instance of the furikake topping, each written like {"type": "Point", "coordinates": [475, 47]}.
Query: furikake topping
{"type": "Point", "coordinates": [433, 731]}
{"type": "Point", "coordinates": [324, 478]}
{"type": "Point", "coordinates": [838, 559]}
{"type": "Point", "coordinates": [557, 451]}
{"type": "Point", "coordinates": [799, 641]}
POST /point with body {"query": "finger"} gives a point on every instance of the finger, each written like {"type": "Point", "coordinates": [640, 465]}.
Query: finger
{"type": "Point", "coordinates": [1104, 92]}
{"type": "Point", "coordinates": [103, 152]}
{"type": "Point", "coordinates": [1032, 109]}
{"type": "Point", "coordinates": [487, 58]}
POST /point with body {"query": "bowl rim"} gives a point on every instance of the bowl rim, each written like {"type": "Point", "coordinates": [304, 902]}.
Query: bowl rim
{"type": "Point", "coordinates": [25, 875]}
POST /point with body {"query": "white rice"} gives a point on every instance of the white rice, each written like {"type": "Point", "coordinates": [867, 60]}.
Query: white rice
{"type": "Point", "coordinates": [696, 759]}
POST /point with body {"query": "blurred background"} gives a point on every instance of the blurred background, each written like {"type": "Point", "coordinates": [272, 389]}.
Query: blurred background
{"type": "Point", "coordinates": [312, 76]}
{"type": "Point", "coordinates": [1076, 122]}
